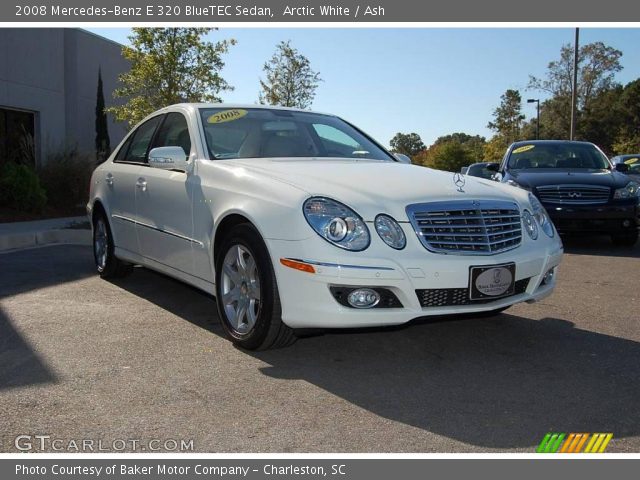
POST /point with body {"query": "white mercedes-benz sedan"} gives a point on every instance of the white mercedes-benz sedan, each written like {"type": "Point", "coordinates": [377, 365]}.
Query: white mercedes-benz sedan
{"type": "Point", "coordinates": [298, 220]}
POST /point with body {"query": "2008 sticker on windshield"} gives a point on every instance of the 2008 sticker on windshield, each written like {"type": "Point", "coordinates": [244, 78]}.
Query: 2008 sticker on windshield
{"type": "Point", "coordinates": [524, 148]}
{"type": "Point", "coordinates": [227, 116]}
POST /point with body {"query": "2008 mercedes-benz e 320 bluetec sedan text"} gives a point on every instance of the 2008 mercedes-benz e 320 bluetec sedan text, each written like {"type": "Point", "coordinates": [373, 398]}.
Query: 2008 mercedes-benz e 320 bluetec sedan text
{"type": "Point", "coordinates": [295, 219]}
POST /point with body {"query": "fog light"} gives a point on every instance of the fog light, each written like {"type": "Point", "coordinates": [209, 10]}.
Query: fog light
{"type": "Point", "coordinates": [363, 298]}
{"type": "Point", "coordinates": [626, 223]}
{"type": "Point", "coordinates": [548, 277]}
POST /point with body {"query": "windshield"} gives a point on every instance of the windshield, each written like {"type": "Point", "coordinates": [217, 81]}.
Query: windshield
{"type": "Point", "coordinates": [558, 155]}
{"type": "Point", "coordinates": [260, 133]}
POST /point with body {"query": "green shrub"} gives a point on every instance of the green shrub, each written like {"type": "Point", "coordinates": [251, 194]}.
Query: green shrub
{"type": "Point", "coordinates": [65, 176]}
{"type": "Point", "coordinates": [20, 188]}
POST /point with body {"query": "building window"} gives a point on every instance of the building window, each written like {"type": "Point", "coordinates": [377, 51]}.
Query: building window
{"type": "Point", "coordinates": [17, 133]}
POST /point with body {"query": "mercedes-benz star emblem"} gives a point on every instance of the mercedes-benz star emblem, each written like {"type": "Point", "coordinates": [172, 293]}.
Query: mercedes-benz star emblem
{"type": "Point", "coordinates": [459, 181]}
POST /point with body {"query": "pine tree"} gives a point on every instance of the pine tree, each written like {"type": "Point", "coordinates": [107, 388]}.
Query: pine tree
{"type": "Point", "coordinates": [103, 143]}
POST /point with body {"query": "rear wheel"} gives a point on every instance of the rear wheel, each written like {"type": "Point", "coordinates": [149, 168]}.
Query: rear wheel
{"type": "Point", "coordinates": [247, 294]}
{"type": "Point", "coordinates": [107, 264]}
{"type": "Point", "coordinates": [625, 239]}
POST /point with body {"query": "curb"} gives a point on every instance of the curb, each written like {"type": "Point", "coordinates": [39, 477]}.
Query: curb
{"type": "Point", "coordinates": [17, 241]}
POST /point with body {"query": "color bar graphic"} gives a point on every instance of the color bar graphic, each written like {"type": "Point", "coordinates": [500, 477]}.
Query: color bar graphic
{"type": "Point", "coordinates": [574, 442]}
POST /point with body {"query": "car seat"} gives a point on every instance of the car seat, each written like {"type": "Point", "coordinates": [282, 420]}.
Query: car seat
{"type": "Point", "coordinates": [284, 146]}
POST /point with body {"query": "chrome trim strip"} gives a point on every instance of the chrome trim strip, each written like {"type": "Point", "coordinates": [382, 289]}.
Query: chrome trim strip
{"type": "Point", "coordinates": [177, 235]}
{"type": "Point", "coordinates": [339, 265]}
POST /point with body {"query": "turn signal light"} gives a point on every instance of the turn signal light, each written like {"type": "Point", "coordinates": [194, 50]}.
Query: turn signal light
{"type": "Point", "coordinates": [303, 267]}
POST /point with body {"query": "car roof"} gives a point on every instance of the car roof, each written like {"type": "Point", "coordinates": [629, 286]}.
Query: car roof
{"type": "Point", "coordinates": [548, 142]}
{"type": "Point", "coordinates": [627, 155]}
{"type": "Point", "coordinates": [196, 106]}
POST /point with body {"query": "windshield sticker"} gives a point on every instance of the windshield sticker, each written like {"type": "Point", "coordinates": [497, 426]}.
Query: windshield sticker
{"type": "Point", "coordinates": [631, 161]}
{"type": "Point", "coordinates": [524, 148]}
{"type": "Point", "coordinates": [227, 116]}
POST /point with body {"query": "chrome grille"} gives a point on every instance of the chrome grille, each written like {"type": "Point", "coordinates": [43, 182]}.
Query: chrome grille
{"type": "Point", "coordinates": [573, 194]}
{"type": "Point", "coordinates": [467, 227]}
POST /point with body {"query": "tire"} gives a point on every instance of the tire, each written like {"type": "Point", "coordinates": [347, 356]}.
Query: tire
{"type": "Point", "coordinates": [625, 239]}
{"type": "Point", "coordinates": [247, 295]}
{"type": "Point", "coordinates": [107, 264]}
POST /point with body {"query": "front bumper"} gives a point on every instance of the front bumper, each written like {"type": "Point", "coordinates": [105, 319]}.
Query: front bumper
{"type": "Point", "coordinates": [307, 301]}
{"type": "Point", "coordinates": [612, 217]}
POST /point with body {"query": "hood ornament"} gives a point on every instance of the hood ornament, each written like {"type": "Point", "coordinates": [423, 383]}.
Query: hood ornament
{"type": "Point", "coordinates": [459, 181]}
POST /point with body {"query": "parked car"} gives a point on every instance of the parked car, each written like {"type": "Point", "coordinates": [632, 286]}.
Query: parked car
{"type": "Point", "coordinates": [632, 163]}
{"type": "Point", "coordinates": [578, 186]}
{"type": "Point", "coordinates": [480, 170]}
{"type": "Point", "coordinates": [296, 220]}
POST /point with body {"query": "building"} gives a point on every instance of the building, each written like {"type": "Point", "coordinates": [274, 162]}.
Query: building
{"type": "Point", "coordinates": [48, 87]}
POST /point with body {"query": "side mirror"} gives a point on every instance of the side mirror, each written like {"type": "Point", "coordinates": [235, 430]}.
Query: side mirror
{"type": "Point", "coordinates": [402, 158]}
{"type": "Point", "coordinates": [168, 158]}
{"type": "Point", "coordinates": [497, 177]}
{"type": "Point", "coordinates": [493, 167]}
{"type": "Point", "coordinates": [621, 167]}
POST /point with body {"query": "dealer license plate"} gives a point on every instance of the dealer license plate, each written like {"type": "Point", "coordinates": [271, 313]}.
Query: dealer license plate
{"type": "Point", "coordinates": [492, 281]}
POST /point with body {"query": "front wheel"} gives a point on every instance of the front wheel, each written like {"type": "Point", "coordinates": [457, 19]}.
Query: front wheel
{"type": "Point", "coordinates": [625, 239]}
{"type": "Point", "coordinates": [247, 294]}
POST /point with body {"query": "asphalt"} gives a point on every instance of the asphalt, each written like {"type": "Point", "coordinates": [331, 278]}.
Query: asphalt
{"type": "Point", "coordinates": [145, 358]}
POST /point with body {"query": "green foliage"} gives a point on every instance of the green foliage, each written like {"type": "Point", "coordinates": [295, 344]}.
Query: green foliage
{"type": "Point", "coordinates": [474, 144]}
{"type": "Point", "coordinates": [290, 81]}
{"type": "Point", "coordinates": [20, 188]}
{"type": "Point", "coordinates": [495, 148]}
{"type": "Point", "coordinates": [597, 66]}
{"type": "Point", "coordinates": [103, 142]}
{"type": "Point", "coordinates": [449, 155]}
{"type": "Point", "coordinates": [65, 177]}
{"type": "Point", "coordinates": [508, 117]}
{"type": "Point", "coordinates": [169, 65]}
{"type": "Point", "coordinates": [628, 134]}
{"type": "Point", "coordinates": [409, 144]}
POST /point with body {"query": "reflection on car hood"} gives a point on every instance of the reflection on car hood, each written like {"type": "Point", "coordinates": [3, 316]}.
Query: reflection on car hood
{"type": "Point", "coordinates": [556, 176]}
{"type": "Point", "coordinates": [374, 187]}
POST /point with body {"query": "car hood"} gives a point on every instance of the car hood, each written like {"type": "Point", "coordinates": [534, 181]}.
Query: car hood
{"type": "Point", "coordinates": [532, 178]}
{"type": "Point", "coordinates": [373, 187]}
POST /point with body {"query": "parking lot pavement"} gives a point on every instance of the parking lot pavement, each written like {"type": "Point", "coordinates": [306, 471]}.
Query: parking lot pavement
{"type": "Point", "coordinates": [82, 358]}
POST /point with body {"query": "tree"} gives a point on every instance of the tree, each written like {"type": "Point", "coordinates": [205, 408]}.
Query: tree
{"type": "Point", "coordinates": [290, 81]}
{"type": "Point", "coordinates": [495, 148]}
{"type": "Point", "coordinates": [508, 117]}
{"type": "Point", "coordinates": [597, 66]}
{"type": "Point", "coordinates": [169, 65]}
{"type": "Point", "coordinates": [103, 142]}
{"type": "Point", "coordinates": [450, 155]}
{"type": "Point", "coordinates": [628, 136]}
{"type": "Point", "coordinates": [474, 144]}
{"type": "Point", "coordinates": [409, 144]}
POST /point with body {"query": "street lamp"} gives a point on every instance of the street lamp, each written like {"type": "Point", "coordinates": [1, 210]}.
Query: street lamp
{"type": "Point", "coordinates": [536, 100]}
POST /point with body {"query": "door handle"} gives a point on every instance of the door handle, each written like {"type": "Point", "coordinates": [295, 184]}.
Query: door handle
{"type": "Point", "coordinates": [141, 184]}
{"type": "Point", "coordinates": [109, 179]}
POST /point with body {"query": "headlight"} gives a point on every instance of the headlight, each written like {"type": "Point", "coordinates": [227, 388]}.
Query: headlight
{"type": "Point", "coordinates": [540, 214]}
{"type": "Point", "coordinates": [631, 190]}
{"type": "Point", "coordinates": [390, 231]}
{"type": "Point", "coordinates": [336, 223]}
{"type": "Point", "coordinates": [513, 183]}
{"type": "Point", "coordinates": [530, 224]}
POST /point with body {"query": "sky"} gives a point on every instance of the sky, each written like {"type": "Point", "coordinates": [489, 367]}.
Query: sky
{"type": "Point", "coordinates": [432, 81]}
